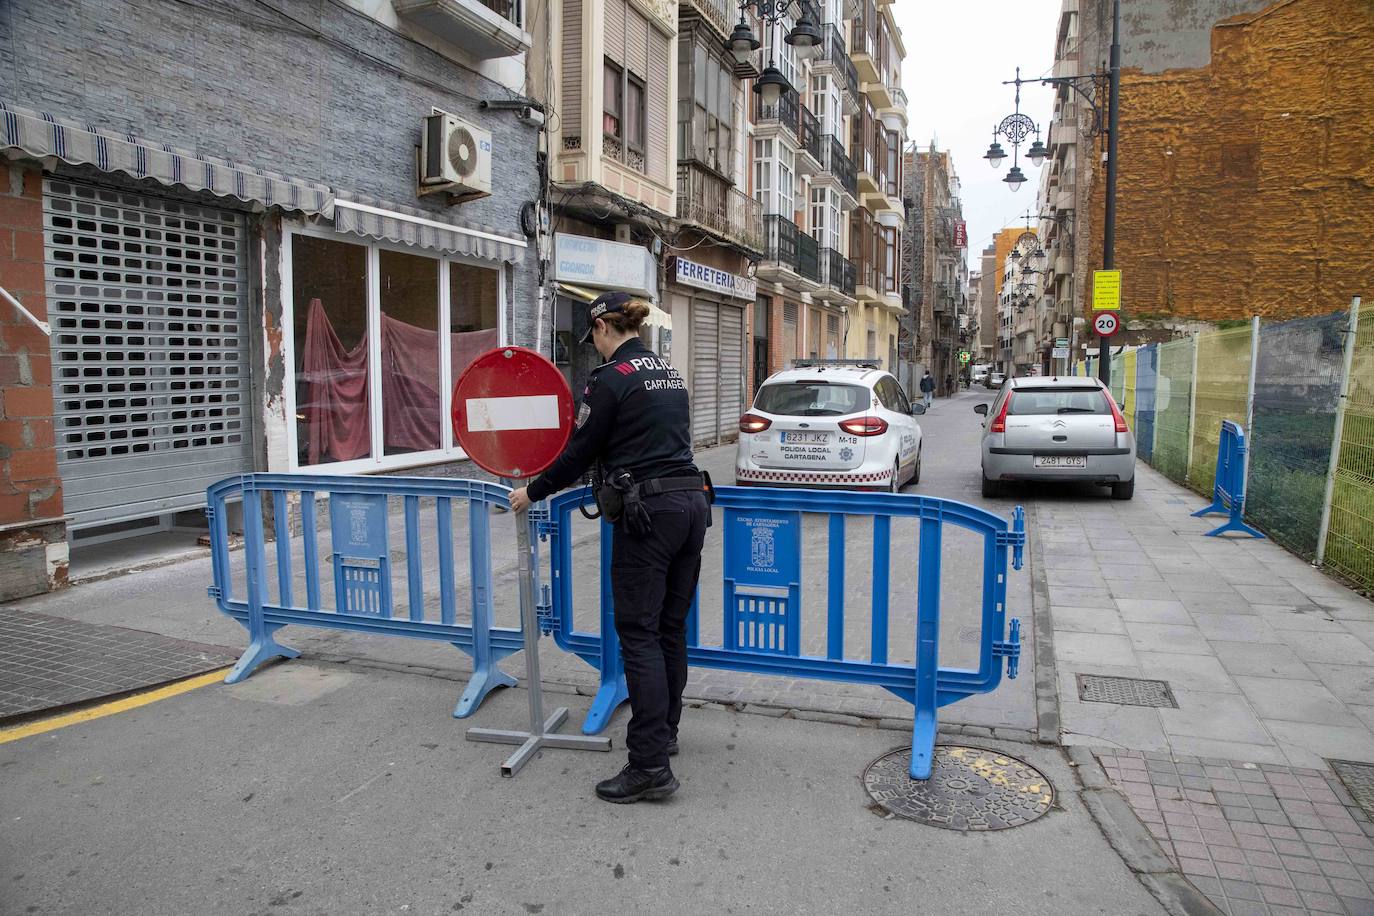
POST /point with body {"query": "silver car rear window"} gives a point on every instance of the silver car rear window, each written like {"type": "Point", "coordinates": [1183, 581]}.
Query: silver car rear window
{"type": "Point", "coordinates": [1042, 401]}
{"type": "Point", "coordinates": [811, 399]}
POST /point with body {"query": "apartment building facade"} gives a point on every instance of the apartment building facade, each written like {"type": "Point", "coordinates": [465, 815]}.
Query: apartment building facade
{"type": "Point", "coordinates": [223, 261]}
{"type": "Point", "coordinates": [826, 168]}
{"type": "Point", "coordinates": [939, 321]}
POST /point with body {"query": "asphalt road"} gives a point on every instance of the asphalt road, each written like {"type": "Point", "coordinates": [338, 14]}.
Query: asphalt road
{"type": "Point", "coordinates": [321, 789]}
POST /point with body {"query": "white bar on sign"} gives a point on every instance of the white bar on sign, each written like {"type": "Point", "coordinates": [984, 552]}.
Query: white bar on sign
{"type": "Point", "coordinates": [493, 415]}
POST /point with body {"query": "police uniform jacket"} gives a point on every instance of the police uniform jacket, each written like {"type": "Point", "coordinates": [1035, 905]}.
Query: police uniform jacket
{"type": "Point", "coordinates": [634, 415]}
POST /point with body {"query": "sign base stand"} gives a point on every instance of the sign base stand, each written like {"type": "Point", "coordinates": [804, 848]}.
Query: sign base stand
{"type": "Point", "coordinates": [532, 744]}
{"type": "Point", "coordinates": [542, 733]}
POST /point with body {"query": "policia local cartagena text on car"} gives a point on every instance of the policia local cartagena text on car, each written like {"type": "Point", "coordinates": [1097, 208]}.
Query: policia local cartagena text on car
{"type": "Point", "coordinates": [634, 430]}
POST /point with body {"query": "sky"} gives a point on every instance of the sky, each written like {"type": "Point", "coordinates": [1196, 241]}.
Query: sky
{"type": "Point", "coordinates": [957, 54]}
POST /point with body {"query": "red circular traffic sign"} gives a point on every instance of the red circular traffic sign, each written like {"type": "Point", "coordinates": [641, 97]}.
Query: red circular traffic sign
{"type": "Point", "coordinates": [1106, 323]}
{"type": "Point", "coordinates": [512, 412]}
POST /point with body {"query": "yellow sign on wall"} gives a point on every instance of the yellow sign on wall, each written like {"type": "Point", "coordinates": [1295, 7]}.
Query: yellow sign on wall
{"type": "Point", "coordinates": [1106, 290]}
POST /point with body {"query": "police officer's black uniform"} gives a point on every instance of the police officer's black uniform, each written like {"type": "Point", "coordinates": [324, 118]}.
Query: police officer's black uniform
{"type": "Point", "coordinates": [635, 418]}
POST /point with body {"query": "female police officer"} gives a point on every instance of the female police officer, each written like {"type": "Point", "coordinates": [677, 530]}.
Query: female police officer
{"type": "Point", "coordinates": [635, 425]}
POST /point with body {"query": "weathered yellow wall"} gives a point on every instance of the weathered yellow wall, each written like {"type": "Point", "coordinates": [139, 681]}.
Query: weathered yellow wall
{"type": "Point", "coordinates": [1247, 187]}
{"type": "Point", "coordinates": [1003, 243]}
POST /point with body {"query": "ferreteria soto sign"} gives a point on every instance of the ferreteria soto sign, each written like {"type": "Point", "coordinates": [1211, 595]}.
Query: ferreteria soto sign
{"type": "Point", "coordinates": [690, 273]}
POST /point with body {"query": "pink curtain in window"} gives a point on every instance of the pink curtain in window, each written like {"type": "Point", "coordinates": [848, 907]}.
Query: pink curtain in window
{"type": "Point", "coordinates": [335, 408]}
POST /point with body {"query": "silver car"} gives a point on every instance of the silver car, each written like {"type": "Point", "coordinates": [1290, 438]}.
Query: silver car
{"type": "Point", "coordinates": [1057, 429]}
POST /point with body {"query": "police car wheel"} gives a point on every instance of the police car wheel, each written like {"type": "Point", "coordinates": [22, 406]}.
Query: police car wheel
{"type": "Point", "coordinates": [896, 486]}
{"type": "Point", "coordinates": [916, 474]}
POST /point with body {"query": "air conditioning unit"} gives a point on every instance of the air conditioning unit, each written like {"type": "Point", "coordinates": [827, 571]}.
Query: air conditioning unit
{"type": "Point", "coordinates": [455, 157]}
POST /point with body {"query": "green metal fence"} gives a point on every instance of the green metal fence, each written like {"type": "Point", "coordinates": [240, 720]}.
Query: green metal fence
{"type": "Point", "coordinates": [1221, 392]}
{"type": "Point", "coordinates": [1303, 390]}
{"type": "Point", "coordinates": [1297, 387]}
{"type": "Point", "coordinates": [1349, 548]}
{"type": "Point", "coordinates": [1173, 404]}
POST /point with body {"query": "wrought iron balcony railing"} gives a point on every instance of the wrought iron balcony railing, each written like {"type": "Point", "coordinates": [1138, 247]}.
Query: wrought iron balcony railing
{"type": "Point", "coordinates": [808, 258]}
{"type": "Point", "coordinates": [786, 112]}
{"type": "Point", "coordinates": [837, 271]}
{"type": "Point", "coordinates": [703, 199]}
{"type": "Point", "coordinates": [810, 134]}
{"type": "Point", "coordinates": [837, 162]}
{"type": "Point", "coordinates": [790, 247]}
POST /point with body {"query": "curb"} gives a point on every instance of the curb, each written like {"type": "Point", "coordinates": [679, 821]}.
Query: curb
{"type": "Point", "coordinates": [1046, 676]}
{"type": "Point", "coordinates": [1132, 841]}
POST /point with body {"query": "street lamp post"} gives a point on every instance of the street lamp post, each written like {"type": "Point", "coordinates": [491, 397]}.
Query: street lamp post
{"type": "Point", "coordinates": [1016, 127]}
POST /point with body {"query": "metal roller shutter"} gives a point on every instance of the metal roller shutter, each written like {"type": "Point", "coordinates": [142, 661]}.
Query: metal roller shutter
{"type": "Point", "coordinates": [705, 371]}
{"type": "Point", "coordinates": [148, 299]}
{"type": "Point", "coordinates": [730, 395]}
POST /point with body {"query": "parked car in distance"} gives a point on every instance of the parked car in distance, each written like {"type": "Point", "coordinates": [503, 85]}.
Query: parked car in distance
{"type": "Point", "coordinates": [1056, 429]}
{"type": "Point", "coordinates": [994, 380]}
{"type": "Point", "coordinates": [979, 375]}
{"type": "Point", "coordinates": [830, 423]}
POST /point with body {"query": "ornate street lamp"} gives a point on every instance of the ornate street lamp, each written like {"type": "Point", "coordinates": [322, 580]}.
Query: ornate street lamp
{"type": "Point", "coordinates": [805, 36]}
{"type": "Point", "coordinates": [1016, 127]}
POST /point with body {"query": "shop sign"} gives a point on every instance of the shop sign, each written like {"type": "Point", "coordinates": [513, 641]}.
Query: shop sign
{"type": "Point", "coordinates": [702, 276]}
{"type": "Point", "coordinates": [586, 261]}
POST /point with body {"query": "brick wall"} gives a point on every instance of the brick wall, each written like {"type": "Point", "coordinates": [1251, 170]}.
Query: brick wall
{"type": "Point", "coordinates": [33, 553]}
{"type": "Point", "coordinates": [1246, 184]}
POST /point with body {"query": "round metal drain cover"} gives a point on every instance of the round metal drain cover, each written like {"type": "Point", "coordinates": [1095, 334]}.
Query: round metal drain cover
{"type": "Point", "coordinates": [970, 788]}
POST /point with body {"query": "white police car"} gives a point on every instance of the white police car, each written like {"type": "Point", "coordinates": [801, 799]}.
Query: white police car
{"type": "Point", "coordinates": [830, 423]}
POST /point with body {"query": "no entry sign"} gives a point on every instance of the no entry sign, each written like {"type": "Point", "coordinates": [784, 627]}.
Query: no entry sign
{"type": "Point", "coordinates": [512, 412]}
{"type": "Point", "coordinates": [1106, 323]}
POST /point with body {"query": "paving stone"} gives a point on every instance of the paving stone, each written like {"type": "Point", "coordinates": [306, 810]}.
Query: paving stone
{"type": "Point", "coordinates": [1240, 890]}
{"type": "Point", "coordinates": [1321, 903]}
{"type": "Point", "coordinates": [1351, 888]}
{"type": "Point", "coordinates": [1229, 854]}
{"type": "Point", "coordinates": [1234, 871]}
{"type": "Point", "coordinates": [1284, 896]}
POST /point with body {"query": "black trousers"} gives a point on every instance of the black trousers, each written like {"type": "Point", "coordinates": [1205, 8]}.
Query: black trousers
{"type": "Point", "coordinates": [653, 580]}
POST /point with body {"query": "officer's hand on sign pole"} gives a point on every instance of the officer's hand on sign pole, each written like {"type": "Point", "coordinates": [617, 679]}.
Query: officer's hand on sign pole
{"type": "Point", "coordinates": [520, 499]}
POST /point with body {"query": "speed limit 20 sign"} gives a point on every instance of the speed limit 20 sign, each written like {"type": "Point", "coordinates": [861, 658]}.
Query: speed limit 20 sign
{"type": "Point", "coordinates": [1106, 323]}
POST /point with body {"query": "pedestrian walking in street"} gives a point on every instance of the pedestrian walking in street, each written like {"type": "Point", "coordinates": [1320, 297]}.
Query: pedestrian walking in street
{"type": "Point", "coordinates": [949, 386]}
{"type": "Point", "coordinates": [928, 388]}
{"type": "Point", "coordinates": [634, 428]}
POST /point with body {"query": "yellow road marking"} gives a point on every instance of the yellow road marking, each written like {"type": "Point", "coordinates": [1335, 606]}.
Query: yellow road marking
{"type": "Point", "coordinates": [108, 709]}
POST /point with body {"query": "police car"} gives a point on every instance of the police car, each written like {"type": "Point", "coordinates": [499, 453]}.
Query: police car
{"type": "Point", "coordinates": [830, 423]}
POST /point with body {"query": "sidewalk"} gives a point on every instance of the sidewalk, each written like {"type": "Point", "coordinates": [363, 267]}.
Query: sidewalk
{"type": "Point", "coordinates": [1266, 668]}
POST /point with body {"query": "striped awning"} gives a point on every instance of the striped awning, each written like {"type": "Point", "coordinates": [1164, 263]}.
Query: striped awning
{"type": "Point", "coordinates": [389, 222]}
{"type": "Point", "coordinates": [42, 135]}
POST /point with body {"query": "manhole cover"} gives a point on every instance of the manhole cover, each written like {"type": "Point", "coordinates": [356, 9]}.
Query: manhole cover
{"type": "Point", "coordinates": [1359, 781]}
{"type": "Point", "coordinates": [1124, 691]}
{"type": "Point", "coordinates": [969, 789]}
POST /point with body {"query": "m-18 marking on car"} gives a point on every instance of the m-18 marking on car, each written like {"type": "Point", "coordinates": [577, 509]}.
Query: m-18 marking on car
{"type": "Point", "coordinates": [830, 424]}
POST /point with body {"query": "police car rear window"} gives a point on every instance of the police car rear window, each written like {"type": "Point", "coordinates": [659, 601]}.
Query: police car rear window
{"type": "Point", "coordinates": [812, 399]}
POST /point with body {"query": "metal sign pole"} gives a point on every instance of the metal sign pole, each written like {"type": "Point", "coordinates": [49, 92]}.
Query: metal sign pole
{"type": "Point", "coordinates": [542, 733]}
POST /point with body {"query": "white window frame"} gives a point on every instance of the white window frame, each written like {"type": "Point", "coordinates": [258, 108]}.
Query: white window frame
{"type": "Point", "coordinates": [379, 461]}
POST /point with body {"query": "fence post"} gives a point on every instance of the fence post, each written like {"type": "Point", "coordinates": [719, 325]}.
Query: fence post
{"type": "Point", "coordinates": [1250, 401]}
{"type": "Point", "coordinates": [1192, 411]}
{"type": "Point", "coordinates": [1351, 327]}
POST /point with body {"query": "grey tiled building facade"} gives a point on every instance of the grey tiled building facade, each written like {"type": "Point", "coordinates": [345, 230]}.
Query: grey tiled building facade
{"type": "Point", "coordinates": [208, 319]}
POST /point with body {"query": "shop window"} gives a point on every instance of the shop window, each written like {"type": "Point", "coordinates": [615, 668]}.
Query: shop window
{"type": "Point", "coordinates": [346, 412]}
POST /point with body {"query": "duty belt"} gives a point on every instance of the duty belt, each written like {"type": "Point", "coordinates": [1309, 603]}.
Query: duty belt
{"type": "Point", "coordinates": [672, 484]}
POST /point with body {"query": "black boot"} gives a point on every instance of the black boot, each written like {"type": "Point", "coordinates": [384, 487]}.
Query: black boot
{"type": "Point", "coordinates": [632, 785]}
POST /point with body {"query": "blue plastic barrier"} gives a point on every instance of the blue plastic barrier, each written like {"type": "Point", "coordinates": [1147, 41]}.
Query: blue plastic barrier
{"type": "Point", "coordinates": [360, 553]}
{"type": "Point", "coordinates": [1228, 494]}
{"type": "Point", "coordinates": [762, 599]}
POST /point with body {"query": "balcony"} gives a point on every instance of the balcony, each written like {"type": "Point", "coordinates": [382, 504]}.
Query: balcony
{"type": "Point", "coordinates": [879, 92]}
{"type": "Point", "coordinates": [863, 47]}
{"type": "Point", "coordinates": [943, 303]}
{"type": "Point", "coordinates": [894, 116]}
{"type": "Point", "coordinates": [791, 257]}
{"type": "Point", "coordinates": [1064, 200]}
{"type": "Point", "coordinates": [869, 181]}
{"type": "Point", "coordinates": [772, 120]}
{"type": "Point", "coordinates": [1068, 66]}
{"type": "Point", "coordinates": [1063, 134]}
{"type": "Point", "coordinates": [486, 29]}
{"type": "Point", "coordinates": [837, 277]}
{"type": "Point", "coordinates": [719, 14]}
{"type": "Point", "coordinates": [838, 169]}
{"type": "Point", "coordinates": [708, 203]}
{"type": "Point", "coordinates": [809, 137]}
{"type": "Point", "coordinates": [834, 62]}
